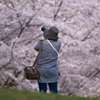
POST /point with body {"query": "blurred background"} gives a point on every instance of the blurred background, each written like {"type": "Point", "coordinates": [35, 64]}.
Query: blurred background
{"type": "Point", "coordinates": [79, 59]}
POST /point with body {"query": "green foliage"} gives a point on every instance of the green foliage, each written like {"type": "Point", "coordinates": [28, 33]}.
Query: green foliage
{"type": "Point", "coordinates": [14, 94]}
{"type": "Point", "coordinates": [1, 1]}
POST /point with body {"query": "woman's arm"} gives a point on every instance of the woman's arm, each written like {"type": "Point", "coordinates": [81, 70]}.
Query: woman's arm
{"type": "Point", "coordinates": [37, 46]}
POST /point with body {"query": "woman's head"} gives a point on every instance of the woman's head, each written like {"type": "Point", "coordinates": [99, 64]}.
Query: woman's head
{"type": "Point", "coordinates": [50, 34]}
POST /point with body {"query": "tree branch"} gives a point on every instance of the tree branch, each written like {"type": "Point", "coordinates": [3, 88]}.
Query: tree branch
{"type": "Point", "coordinates": [86, 37]}
{"type": "Point", "coordinates": [55, 15]}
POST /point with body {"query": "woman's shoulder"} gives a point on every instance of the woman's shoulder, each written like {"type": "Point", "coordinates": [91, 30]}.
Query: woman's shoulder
{"type": "Point", "coordinates": [52, 41]}
{"type": "Point", "coordinates": [59, 41]}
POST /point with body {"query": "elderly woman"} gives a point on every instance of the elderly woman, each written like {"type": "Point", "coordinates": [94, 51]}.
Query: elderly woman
{"type": "Point", "coordinates": [47, 64]}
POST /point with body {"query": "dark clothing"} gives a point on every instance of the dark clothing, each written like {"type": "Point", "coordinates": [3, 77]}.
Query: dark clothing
{"type": "Point", "coordinates": [52, 87]}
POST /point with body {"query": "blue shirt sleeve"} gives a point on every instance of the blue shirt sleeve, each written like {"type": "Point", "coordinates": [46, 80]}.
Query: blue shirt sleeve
{"type": "Point", "coordinates": [37, 46]}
